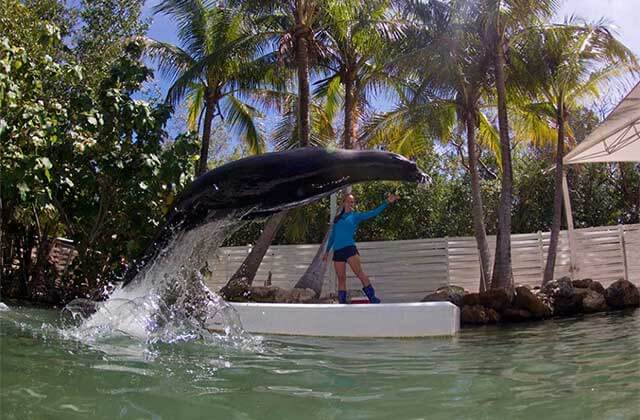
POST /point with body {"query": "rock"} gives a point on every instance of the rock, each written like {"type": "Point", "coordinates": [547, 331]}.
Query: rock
{"type": "Point", "coordinates": [478, 315]}
{"type": "Point", "coordinates": [581, 292]}
{"type": "Point", "coordinates": [295, 296]}
{"type": "Point", "coordinates": [516, 315]}
{"type": "Point", "coordinates": [560, 287]}
{"type": "Point", "coordinates": [475, 315]}
{"type": "Point", "coordinates": [593, 302]}
{"type": "Point", "coordinates": [525, 299]}
{"type": "Point", "coordinates": [453, 294]}
{"type": "Point", "coordinates": [596, 286]}
{"type": "Point", "coordinates": [492, 316]}
{"type": "Point", "coordinates": [471, 299]}
{"type": "Point", "coordinates": [302, 295]}
{"type": "Point", "coordinates": [264, 294]}
{"type": "Point", "coordinates": [562, 296]}
{"type": "Point", "coordinates": [497, 299]}
{"type": "Point", "coordinates": [582, 284]}
{"type": "Point", "coordinates": [567, 305]}
{"type": "Point", "coordinates": [588, 284]}
{"type": "Point", "coordinates": [622, 294]}
{"type": "Point", "coordinates": [239, 291]}
{"type": "Point", "coordinates": [236, 291]}
{"type": "Point", "coordinates": [283, 296]}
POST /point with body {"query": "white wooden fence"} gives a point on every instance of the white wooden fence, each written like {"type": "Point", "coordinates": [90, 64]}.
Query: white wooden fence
{"type": "Point", "coordinates": [407, 270]}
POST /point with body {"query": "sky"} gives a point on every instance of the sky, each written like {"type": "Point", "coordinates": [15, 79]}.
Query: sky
{"type": "Point", "coordinates": [622, 15]}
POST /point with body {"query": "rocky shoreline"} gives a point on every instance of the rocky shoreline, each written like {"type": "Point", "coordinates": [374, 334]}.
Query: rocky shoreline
{"type": "Point", "coordinates": [558, 298]}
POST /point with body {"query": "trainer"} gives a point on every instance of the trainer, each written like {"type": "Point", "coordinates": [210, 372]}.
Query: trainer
{"type": "Point", "coordinates": [345, 252]}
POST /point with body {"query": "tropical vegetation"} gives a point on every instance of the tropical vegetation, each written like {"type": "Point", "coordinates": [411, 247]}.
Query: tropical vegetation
{"type": "Point", "coordinates": [486, 95]}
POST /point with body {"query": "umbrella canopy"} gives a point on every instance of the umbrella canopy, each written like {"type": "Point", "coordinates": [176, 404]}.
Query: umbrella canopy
{"type": "Point", "coordinates": [616, 139]}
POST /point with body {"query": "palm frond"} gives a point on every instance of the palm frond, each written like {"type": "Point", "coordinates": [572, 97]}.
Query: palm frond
{"type": "Point", "coordinates": [285, 133]}
{"type": "Point", "coordinates": [190, 17]}
{"type": "Point", "coordinates": [170, 59]}
{"type": "Point", "coordinates": [488, 136]}
{"type": "Point", "coordinates": [410, 129]}
{"type": "Point", "coordinates": [195, 101]}
{"type": "Point", "coordinates": [534, 123]}
{"type": "Point", "coordinates": [242, 118]}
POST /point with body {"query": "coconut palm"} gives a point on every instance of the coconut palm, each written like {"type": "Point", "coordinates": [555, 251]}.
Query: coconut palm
{"type": "Point", "coordinates": [446, 79]}
{"type": "Point", "coordinates": [358, 42]}
{"type": "Point", "coordinates": [557, 68]}
{"type": "Point", "coordinates": [293, 26]}
{"type": "Point", "coordinates": [217, 66]}
{"type": "Point", "coordinates": [505, 20]}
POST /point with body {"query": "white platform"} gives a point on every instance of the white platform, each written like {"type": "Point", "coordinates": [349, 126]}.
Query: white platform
{"type": "Point", "coordinates": [420, 319]}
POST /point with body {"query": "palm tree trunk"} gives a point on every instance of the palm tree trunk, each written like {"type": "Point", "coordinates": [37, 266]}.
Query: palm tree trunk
{"type": "Point", "coordinates": [206, 134]}
{"type": "Point", "coordinates": [350, 126]}
{"type": "Point", "coordinates": [313, 277]}
{"type": "Point", "coordinates": [476, 203]}
{"type": "Point", "coordinates": [502, 269]}
{"type": "Point", "coordinates": [557, 200]}
{"type": "Point", "coordinates": [302, 65]}
{"type": "Point", "coordinates": [249, 267]}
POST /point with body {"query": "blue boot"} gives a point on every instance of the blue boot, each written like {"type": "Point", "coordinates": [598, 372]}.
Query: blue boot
{"type": "Point", "coordinates": [342, 296]}
{"type": "Point", "coordinates": [371, 294]}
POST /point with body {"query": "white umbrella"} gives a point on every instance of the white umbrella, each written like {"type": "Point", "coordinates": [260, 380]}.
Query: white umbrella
{"type": "Point", "coordinates": [616, 139]}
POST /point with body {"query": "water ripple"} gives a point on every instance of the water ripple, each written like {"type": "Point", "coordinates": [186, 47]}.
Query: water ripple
{"type": "Point", "coordinates": [581, 368]}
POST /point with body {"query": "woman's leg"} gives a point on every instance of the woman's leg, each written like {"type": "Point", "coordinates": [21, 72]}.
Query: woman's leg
{"type": "Point", "coordinates": [367, 288]}
{"type": "Point", "coordinates": [341, 273]}
{"type": "Point", "coordinates": [356, 267]}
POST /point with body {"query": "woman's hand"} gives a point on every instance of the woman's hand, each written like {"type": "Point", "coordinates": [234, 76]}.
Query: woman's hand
{"type": "Point", "coordinates": [325, 257]}
{"type": "Point", "coordinates": [392, 197]}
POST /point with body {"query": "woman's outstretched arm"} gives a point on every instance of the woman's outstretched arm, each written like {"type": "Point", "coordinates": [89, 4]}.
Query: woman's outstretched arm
{"type": "Point", "coordinates": [373, 213]}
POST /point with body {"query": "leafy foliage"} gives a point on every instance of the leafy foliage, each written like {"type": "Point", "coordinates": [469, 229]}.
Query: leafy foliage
{"type": "Point", "coordinates": [92, 165]}
{"type": "Point", "coordinates": [83, 157]}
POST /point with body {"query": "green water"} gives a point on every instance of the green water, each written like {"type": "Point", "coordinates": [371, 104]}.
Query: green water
{"type": "Point", "coordinates": [587, 368]}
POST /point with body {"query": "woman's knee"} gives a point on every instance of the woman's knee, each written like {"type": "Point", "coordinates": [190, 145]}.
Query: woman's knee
{"type": "Point", "coordinates": [358, 271]}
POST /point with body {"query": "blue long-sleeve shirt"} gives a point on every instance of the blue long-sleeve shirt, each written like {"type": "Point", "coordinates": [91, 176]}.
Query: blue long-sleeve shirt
{"type": "Point", "coordinates": [343, 231]}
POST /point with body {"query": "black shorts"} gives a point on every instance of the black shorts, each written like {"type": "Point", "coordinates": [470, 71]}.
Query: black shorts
{"type": "Point", "coordinates": [343, 254]}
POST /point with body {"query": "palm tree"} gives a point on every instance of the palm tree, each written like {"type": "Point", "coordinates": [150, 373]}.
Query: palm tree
{"type": "Point", "coordinates": [292, 26]}
{"type": "Point", "coordinates": [446, 80]}
{"type": "Point", "coordinates": [505, 19]}
{"type": "Point", "coordinates": [557, 67]}
{"type": "Point", "coordinates": [358, 35]}
{"type": "Point", "coordinates": [217, 66]}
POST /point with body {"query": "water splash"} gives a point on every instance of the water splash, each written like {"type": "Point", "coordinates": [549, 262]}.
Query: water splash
{"type": "Point", "coordinates": [168, 302]}
{"type": "Point", "coordinates": [3, 307]}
